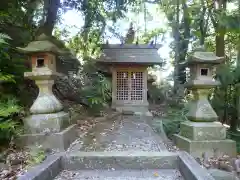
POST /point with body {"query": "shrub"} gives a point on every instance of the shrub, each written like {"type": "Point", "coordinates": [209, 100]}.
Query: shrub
{"type": "Point", "coordinates": [8, 113]}
{"type": "Point", "coordinates": [171, 123]}
{"type": "Point", "coordinates": [9, 108]}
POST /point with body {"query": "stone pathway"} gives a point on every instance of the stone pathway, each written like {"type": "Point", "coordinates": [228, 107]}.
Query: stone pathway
{"type": "Point", "coordinates": [125, 133]}
{"type": "Point", "coordinates": [163, 174]}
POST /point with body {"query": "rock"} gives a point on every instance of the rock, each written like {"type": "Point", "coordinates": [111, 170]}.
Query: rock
{"type": "Point", "coordinates": [222, 165]}
{"type": "Point", "coordinates": [207, 166]}
{"type": "Point", "coordinates": [4, 173]}
{"type": "Point", "coordinates": [222, 175]}
{"type": "Point", "coordinates": [3, 166]}
{"type": "Point", "coordinates": [224, 158]}
{"type": "Point", "coordinates": [15, 159]}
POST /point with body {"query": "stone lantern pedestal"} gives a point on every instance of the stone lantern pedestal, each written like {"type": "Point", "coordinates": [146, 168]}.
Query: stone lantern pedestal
{"type": "Point", "coordinates": [202, 133]}
{"type": "Point", "coordinates": [48, 125]}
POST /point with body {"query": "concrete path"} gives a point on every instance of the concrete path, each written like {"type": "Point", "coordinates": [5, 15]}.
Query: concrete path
{"type": "Point", "coordinates": [125, 133]}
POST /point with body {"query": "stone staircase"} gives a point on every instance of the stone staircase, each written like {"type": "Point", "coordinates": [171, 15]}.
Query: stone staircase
{"type": "Point", "coordinates": [119, 165]}
{"type": "Point", "coordinates": [124, 148]}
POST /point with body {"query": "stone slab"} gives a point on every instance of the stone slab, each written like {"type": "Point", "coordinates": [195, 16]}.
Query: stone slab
{"type": "Point", "coordinates": [132, 107]}
{"type": "Point", "coordinates": [47, 170]}
{"type": "Point", "coordinates": [120, 160]}
{"type": "Point", "coordinates": [199, 131]}
{"type": "Point", "coordinates": [133, 165]}
{"type": "Point", "coordinates": [146, 174]}
{"type": "Point", "coordinates": [46, 123]}
{"type": "Point", "coordinates": [197, 148]}
{"type": "Point", "coordinates": [57, 141]}
{"type": "Point", "coordinates": [190, 169]}
{"type": "Point", "coordinates": [222, 175]}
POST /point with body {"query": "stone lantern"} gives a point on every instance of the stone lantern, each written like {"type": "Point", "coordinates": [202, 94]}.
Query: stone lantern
{"type": "Point", "coordinates": [48, 125]}
{"type": "Point", "coordinates": [202, 133]}
{"type": "Point", "coordinates": [128, 64]}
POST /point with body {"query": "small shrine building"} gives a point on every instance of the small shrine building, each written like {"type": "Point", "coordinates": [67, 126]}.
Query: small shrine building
{"type": "Point", "coordinates": [129, 67]}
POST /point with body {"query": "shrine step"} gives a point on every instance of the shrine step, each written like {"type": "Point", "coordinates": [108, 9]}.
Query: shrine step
{"type": "Point", "coordinates": [151, 174]}
{"type": "Point", "coordinates": [119, 165]}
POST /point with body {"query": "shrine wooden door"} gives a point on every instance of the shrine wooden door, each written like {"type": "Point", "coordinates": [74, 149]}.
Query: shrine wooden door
{"type": "Point", "coordinates": [129, 86]}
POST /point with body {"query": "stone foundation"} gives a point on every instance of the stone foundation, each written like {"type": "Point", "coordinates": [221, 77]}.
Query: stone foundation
{"type": "Point", "coordinates": [59, 141]}
{"type": "Point", "coordinates": [203, 130]}
{"type": "Point", "coordinates": [134, 108]}
{"type": "Point", "coordinates": [47, 123]}
{"type": "Point", "coordinates": [204, 137]}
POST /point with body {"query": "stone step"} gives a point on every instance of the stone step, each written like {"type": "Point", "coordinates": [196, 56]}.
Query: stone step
{"type": "Point", "coordinates": [120, 160]}
{"type": "Point", "coordinates": [151, 174]}
{"type": "Point", "coordinates": [124, 165]}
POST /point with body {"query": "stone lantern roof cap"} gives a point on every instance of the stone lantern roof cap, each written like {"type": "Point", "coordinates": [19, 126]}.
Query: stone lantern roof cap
{"type": "Point", "coordinates": [201, 56]}
{"type": "Point", "coordinates": [145, 54]}
{"type": "Point", "coordinates": [44, 43]}
{"type": "Point", "coordinates": [50, 44]}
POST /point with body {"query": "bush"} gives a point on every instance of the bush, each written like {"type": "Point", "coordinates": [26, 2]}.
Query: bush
{"type": "Point", "coordinates": [9, 109]}
{"type": "Point", "coordinates": [11, 72]}
{"type": "Point", "coordinates": [236, 137]}
{"type": "Point", "coordinates": [171, 123]}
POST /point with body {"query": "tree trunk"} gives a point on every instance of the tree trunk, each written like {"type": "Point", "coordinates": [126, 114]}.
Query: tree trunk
{"type": "Point", "coordinates": [49, 17]}
{"type": "Point", "coordinates": [220, 31]}
{"type": "Point", "coordinates": [177, 56]}
{"type": "Point", "coordinates": [220, 43]}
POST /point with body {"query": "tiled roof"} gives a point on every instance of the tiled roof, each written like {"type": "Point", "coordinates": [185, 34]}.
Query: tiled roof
{"type": "Point", "coordinates": [131, 53]}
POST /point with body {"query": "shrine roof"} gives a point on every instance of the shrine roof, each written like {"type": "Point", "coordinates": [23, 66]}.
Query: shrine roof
{"type": "Point", "coordinates": [200, 55]}
{"type": "Point", "coordinates": [130, 53]}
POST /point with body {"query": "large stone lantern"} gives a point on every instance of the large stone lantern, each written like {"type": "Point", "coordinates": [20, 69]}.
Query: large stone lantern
{"type": "Point", "coordinates": [48, 125]}
{"type": "Point", "coordinates": [202, 133]}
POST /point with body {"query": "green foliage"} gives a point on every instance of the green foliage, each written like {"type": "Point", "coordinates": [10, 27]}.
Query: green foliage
{"type": "Point", "coordinates": [8, 124]}
{"type": "Point", "coordinates": [158, 92]}
{"type": "Point", "coordinates": [236, 137]}
{"type": "Point", "coordinates": [36, 156]}
{"type": "Point", "coordinates": [3, 38]}
{"type": "Point", "coordinates": [146, 37]}
{"type": "Point", "coordinates": [96, 88]}
{"type": "Point", "coordinates": [9, 107]}
{"type": "Point", "coordinates": [171, 123]}
{"type": "Point", "coordinates": [4, 56]}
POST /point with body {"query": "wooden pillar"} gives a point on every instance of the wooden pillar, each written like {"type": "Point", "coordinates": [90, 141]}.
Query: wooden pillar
{"type": "Point", "coordinates": [114, 87]}
{"type": "Point", "coordinates": [145, 88]}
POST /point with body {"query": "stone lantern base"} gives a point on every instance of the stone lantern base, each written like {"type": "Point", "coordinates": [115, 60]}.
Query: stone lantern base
{"type": "Point", "coordinates": [51, 131]}
{"type": "Point", "coordinates": [204, 137]}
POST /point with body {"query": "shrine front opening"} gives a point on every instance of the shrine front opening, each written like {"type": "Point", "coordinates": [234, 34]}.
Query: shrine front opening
{"type": "Point", "coordinates": [129, 86]}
